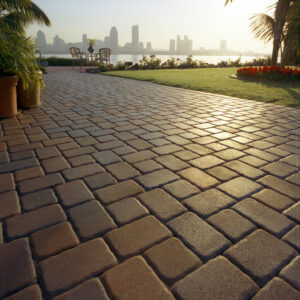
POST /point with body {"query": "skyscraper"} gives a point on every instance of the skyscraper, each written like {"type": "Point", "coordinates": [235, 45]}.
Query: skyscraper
{"type": "Point", "coordinates": [85, 44]}
{"type": "Point", "coordinates": [178, 46]}
{"type": "Point", "coordinates": [41, 40]}
{"type": "Point", "coordinates": [149, 46]}
{"type": "Point", "coordinates": [114, 40]}
{"type": "Point", "coordinates": [135, 37]}
{"type": "Point", "coordinates": [172, 46]}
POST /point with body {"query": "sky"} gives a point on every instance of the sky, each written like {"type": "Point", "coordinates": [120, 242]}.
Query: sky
{"type": "Point", "coordinates": [206, 22]}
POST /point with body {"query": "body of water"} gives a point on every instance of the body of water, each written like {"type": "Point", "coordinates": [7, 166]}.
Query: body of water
{"type": "Point", "coordinates": [136, 58]}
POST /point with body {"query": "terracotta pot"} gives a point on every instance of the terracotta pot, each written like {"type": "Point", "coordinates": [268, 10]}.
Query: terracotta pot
{"type": "Point", "coordinates": [31, 97]}
{"type": "Point", "coordinates": [8, 96]}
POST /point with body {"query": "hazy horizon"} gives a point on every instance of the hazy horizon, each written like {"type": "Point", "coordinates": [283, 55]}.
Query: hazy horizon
{"type": "Point", "coordinates": [205, 22]}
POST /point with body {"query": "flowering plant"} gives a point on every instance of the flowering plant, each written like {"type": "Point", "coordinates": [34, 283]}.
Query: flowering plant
{"type": "Point", "coordinates": [270, 73]}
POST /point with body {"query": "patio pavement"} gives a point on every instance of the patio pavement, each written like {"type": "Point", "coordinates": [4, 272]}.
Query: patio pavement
{"type": "Point", "coordinates": [119, 189]}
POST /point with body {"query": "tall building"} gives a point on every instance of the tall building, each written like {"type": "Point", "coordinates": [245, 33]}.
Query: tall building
{"type": "Point", "coordinates": [178, 46]}
{"type": "Point", "coordinates": [59, 44]}
{"type": "Point", "coordinates": [223, 46]}
{"type": "Point", "coordinates": [184, 46]}
{"type": "Point", "coordinates": [149, 46]}
{"type": "Point", "coordinates": [107, 42]}
{"type": "Point", "coordinates": [135, 37]}
{"type": "Point", "coordinates": [85, 44]}
{"type": "Point", "coordinates": [113, 39]}
{"type": "Point", "coordinates": [172, 46]}
{"type": "Point", "coordinates": [41, 40]}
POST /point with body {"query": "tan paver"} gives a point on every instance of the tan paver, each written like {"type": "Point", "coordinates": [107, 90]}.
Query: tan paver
{"type": "Point", "coordinates": [202, 238]}
{"type": "Point", "coordinates": [52, 240]}
{"type": "Point", "coordinates": [218, 279]}
{"type": "Point", "coordinates": [91, 290]}
{"type": "Point", "coordinates": [139, 282]}
{"type": "Point", "coordinates": [131, 239]}
{"type": "Point", "coordinates": [32, 292]}
{"type": "Point", "coordinates": [198, 155]}
{"type": "Point", "coordinates": [172, 259]}
{"type": "Point", "coordinates": [16, 264]}
{"type": "Point", "coordinates": [261, 254]}
{"type": "Point", "coordinates": [70, 267]}
{"type": "Point", "coordinates": [291, 272]}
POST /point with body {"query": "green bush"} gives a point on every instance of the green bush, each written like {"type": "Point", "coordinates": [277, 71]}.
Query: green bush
{"type": "Point", "coordinates": [58, 61]}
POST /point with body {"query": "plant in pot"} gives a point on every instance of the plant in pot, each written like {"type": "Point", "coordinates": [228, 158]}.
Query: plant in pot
{"type": "Point", "coordinates": [17, 59]}
{"type": "Point", "coordinates": [91, 45]}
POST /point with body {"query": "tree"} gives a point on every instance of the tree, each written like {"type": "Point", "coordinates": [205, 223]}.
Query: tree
{"type": "Point", "coordinates": [18, 14]}
{"type": "Point", "coordinates": [17, 50]}
{"type": "Point", "coordinates": [281, 10]}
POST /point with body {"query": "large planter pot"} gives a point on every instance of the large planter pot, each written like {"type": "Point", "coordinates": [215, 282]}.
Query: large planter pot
{"type": "Point", "coordinates": [8, 96]}
{"type": "Point", "coordinates": [30, 97]}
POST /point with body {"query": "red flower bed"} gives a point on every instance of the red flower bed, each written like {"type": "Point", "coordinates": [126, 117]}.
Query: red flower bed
{"type": "Point", "coordinates": [270, 73]}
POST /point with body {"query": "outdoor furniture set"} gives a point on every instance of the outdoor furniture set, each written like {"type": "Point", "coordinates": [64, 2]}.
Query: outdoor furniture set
{"type": "Point", "coordinates": [103, 56]}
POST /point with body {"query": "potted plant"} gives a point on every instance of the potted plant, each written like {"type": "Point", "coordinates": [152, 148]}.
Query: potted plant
{"type": "Point", "coordinates": [17, 59]}
{"type": "Point", "coordinates": [91, 45]}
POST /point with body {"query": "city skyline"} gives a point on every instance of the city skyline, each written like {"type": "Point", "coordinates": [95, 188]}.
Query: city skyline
{"type": "Point", "coordinates": [205, 22]}
{"type": "Point", "coordinates": [179, 46]}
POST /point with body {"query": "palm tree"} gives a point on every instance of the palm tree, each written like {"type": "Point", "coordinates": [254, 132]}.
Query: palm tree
{"type": "Point", "coordinates": [263, 26]}
{"type": "Point", "coordinates": [281, 10]}
{"type": "Point", "coordinates": [17, 50]}
{"type": "Point", "coordinates": [18, 14]}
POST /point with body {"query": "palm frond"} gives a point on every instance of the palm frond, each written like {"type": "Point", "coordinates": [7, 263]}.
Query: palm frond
{"type": "Point", "coordinates": [227, 1]}
{"type": "Point", "coordinates": [263, 27]}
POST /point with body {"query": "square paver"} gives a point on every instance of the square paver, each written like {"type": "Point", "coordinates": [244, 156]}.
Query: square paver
{"type": "Point", "coordinates": [32, 292]}
{"type": "Point", "coordinates": [118, 191]}
{"type": "Point", "coordinates": [9, 205]}
{"type": "Point", "coordinates": [181, 189]}
{"type": "Point", "coordinates": [277, 288]}
{"type": "Point", "coordinates": [131, 239]}
{"type": "Point", "coordinates": [240, 187]}
{"type": "Point", "coordinates": [127, 210]}
{"type": "Point", "coordinates": [157, 178]}
{"type": "Point", "coordinates": [172, 163]}
{"type": "Point", "coordinates": [65, 270]}
{"type": "Point", "coordinates": [293, 237]}
{"type": "Point", "coordinates": [261, 254]}
{"type": "Point", "coordinates": [280, 169]}
{"type": "Point", "coordinates": [16, 264]}
{"type": "Point", "coordinates": [161, 204]}
{"type": "Point", "coordinates": [93, 289]}
{"type": "Point", "coordinates": [74, 192]}
{"type": "Point", "coordinates": [231, 224]}
{"type": "Point", "coordinates": [55, 164]}
{"type": "Point", "coordinates": [291, 273]}
{"type": "Point", "coordinates": [38, 199]}
{"type": "Point", "coordinates": [199, 178]}
{"type": "Point", "coordinates": [139, 282]}
{"type": "Point", "coordinates": [52, 240]}
{"type": "Point", "coordinates": [209, 202]}
{"type": "Point", "coordinates": [7, 182]}
{"type": "Point", "coordinates": [147, 166]}
{"type": "Point", "coordinates": [99, 180]}
{"type": "Point", "coordinates": [122, 170]}
{"type": "Point", "coordinates": [91, 219]}
{"type": "Point", "coordinates": [206, 162]}
{"type": "Point", "coordinates": [172, 260]}
{"type": "Point", "coordinates": [202, 238]}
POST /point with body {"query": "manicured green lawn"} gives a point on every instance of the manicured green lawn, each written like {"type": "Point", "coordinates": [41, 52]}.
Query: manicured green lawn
{"type": "Point", "coordinates": [217, 80]}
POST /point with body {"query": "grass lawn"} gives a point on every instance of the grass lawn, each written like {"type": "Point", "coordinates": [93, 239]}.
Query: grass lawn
{"type": "Point", "coordinates": [216, 80]}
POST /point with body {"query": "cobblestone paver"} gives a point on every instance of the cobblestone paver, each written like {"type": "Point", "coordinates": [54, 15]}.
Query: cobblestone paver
{"type": "Point", "coordinates": [119, 189]}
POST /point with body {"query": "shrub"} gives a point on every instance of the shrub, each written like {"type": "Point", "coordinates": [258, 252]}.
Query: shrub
{"type": "Point", "coordinates": [270, 73]}
{"type": "Point", "coordinates": [58, 61]}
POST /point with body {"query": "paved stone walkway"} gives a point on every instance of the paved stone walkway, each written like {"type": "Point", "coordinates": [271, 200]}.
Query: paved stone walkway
{"type": "Point", "coordinates": [127, 190]}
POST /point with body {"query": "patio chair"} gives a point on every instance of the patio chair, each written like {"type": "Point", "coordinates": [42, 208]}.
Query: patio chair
{"type": "Point", "coordinates": [79, 56]}
{"type": "Point", "coordinates": [103, 56]}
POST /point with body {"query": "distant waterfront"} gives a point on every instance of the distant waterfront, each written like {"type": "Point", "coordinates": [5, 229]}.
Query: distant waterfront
{"type": "Point", "coordinates": [136, 58]}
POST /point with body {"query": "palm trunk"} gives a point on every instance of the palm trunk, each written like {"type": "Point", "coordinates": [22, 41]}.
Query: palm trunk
{"type": "Point", "coordinates": [282, 8]}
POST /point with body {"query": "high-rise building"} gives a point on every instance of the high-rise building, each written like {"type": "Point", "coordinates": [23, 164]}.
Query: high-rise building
{"type": "Point", "coordinates": [172, 46]}
{"type": "Point", "coordinates": [183, 46]}
{"type": "Point", "coordinates": [135, 37]}
{"type": "Point", "coordinates": [59, 44]}
{"type": "Point", "coordinates": [41, 40]}
{"type": "Point", "coordinates": [178, 46]}
{"type": "Point", "coordinates": [113, 39]}
{"type": "Point", "coordinates": [85, 44]}
{"type": "Point", "coordinates": [149, 46]}
{"type": "Point", "coordinates": [223, 46]}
